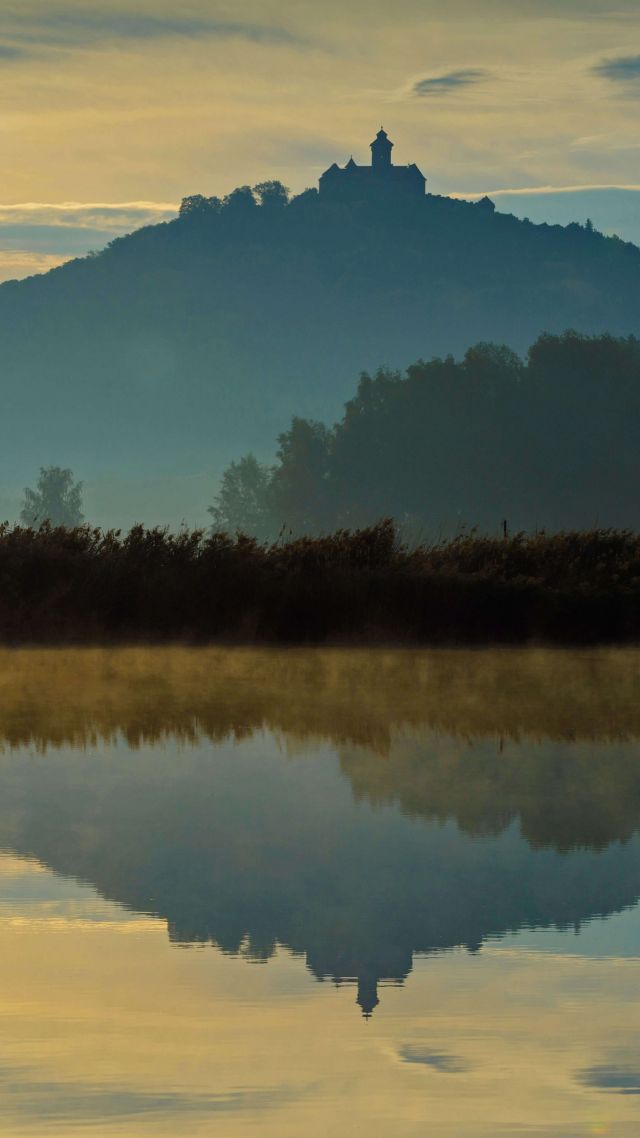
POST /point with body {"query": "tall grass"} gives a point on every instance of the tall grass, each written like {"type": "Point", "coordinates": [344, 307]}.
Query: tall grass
{"type": "Point", "coordinates": [86, 585]}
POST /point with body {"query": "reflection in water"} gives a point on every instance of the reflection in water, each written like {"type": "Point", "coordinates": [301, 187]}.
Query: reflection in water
{"type": "Point", "coordinates": [243, 847]}
{"type": "Point", "coordinates": [246, 850]}
{"type": "Point", "coordinates": [356, 808]}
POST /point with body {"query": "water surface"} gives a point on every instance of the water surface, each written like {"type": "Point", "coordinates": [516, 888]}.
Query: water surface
{"type": "Point", "coordinates": [292, 893]}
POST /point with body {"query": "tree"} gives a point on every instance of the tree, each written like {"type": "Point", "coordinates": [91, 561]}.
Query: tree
{"type": "Point", "coordinates": [242, 503]}
{"type": "Point", "coordinates": [299, 488]}
{"type": "Point", "coordinates": [198, 206]}
{"type": "Point", "coordinates": [57, 499]}
{"type": "Point", "coordinates": [272, 195]}
{"type": "Point", "coordinates": [240, 201]}
{"type": "Point", "coordinates": [486, 362]}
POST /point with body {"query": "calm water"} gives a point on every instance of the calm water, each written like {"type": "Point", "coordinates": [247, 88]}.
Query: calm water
{"type": "Point", "coordinates": [295, 894]}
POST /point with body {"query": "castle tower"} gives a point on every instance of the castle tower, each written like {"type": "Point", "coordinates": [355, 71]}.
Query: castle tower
{"type": "Point", "coordinates": [367, 995]}
{"type": "Point", "coordinates": [381, 148]}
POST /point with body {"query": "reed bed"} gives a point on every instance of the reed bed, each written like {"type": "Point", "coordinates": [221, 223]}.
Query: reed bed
{"type": "Point", "coordinates": [86, 585]}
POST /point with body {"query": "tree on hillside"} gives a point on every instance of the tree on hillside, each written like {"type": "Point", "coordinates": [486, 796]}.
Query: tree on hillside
{"type": "Point", "coordinates": [242, 503]}
{"type": "Point", "coordinates": [492, 363]}
{"type": "Point", "coordinates": [272, 195]}
{"type": "Point", "coordinates": [240, 201]}
{"type": "Point", "coordinates": [57, 499]}
{"type": "Point", "coordinates": [198, 206]}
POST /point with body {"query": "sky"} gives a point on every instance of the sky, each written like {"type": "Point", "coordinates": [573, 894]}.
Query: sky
{"type": "Point", "coordinates": [112, 111]}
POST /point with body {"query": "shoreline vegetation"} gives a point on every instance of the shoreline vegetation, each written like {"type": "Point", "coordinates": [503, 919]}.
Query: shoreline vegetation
{"type": "Point", "coordinates": [87, 586]}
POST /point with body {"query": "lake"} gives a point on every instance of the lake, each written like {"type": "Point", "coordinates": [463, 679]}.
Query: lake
{"type": "Point", "coordinates": [294, 893]}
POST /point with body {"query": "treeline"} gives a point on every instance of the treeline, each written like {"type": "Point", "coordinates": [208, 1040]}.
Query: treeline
{"type": "Point", "coordinates": [84, 585]}
{"type": "Point", "coordinates": [241, 202]}
{"type": "Point", "coordinates": [549, 442]}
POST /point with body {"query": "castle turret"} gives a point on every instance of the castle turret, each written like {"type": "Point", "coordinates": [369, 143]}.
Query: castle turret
{"type": "Point", "coordinates": [381, 148]}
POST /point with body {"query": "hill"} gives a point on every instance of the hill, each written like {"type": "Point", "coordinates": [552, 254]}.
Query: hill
{"type": "Point", "coordinates": [185, 343]}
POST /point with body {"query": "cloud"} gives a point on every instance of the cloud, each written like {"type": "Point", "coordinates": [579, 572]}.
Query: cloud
{"type": "Point", "coordinates": [437, 1060]}
{"type": "Point", "coordinates": [536, 191]}
{"type": "Point", "coordinates": [107, 215]}
{"type": "Point", "coordinates": [28, 1098]}
{"type": "Point", "coordinates": [21, 263]}
{"type": "Point", "coordinates": [451, 81]}
{"type": "Point", "coordinates": [38, 236]}
{"type": "Point", "coordinates": [72, 27]}
{"type": "Point", "coordinates": [623, 69]}
{"type": "Point", "coordinates": [616, 1080]}
{"type": "Point", "coordinates": [8, 53]}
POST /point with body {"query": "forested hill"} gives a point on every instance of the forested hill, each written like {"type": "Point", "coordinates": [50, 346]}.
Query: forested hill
{"type": "Point", "coordinates": [186, 343]}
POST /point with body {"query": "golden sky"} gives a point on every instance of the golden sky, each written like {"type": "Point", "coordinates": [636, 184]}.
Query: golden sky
{"type": "Point", "coordinates": [145, 101]}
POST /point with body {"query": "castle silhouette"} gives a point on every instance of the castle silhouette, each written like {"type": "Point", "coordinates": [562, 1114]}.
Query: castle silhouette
{"type": "Point", "coordinates": [345, 183]}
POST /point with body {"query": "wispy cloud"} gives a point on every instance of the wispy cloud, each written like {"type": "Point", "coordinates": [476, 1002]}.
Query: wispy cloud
{"type": "Point", "coordinates": [437, 1060]}
{"type": "Point", "coordinates": [617, 1080]}
{"type": "Point", "coordinates": [449, 82]}
{"type": "Point", "coordinates": [112, 216]}
{"type": "Point", "coordinates": [526, 191]}
{"type": "Point", "coordinates": [38, 236]}
{"type": "Point", "coordinates": [27, 1097]}
{"type": "Point", "coordinates": [622, 69]}
{"type": "Point", "coordinates": [17, 264]}
{"type": "Point", "coordinates": [8, 53]}
{"type": "Point", "coordinates": [86, 27]}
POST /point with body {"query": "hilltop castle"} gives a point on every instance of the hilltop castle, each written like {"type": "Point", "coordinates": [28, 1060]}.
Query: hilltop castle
{"type": "Point", "coordinates": [344, 183]}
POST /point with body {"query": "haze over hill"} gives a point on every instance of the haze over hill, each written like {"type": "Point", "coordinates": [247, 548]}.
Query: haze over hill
{"type": "Point", "coordinates": [147, 367]}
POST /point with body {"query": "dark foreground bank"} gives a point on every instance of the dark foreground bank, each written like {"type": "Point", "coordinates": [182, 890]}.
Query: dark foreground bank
{"type": "Point", "coordinates": [84, 585]}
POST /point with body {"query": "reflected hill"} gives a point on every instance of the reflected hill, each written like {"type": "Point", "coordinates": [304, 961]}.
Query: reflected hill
{"type": "Point", "coordinates": [562, 796]}
{"type": "Point", "coordinates": [382, 711]}
{"type": "Point", "coordinates": [397, 804]}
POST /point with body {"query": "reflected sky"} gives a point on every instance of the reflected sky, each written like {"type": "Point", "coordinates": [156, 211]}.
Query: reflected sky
{"type": "Point", "coordinates": [211, 858]}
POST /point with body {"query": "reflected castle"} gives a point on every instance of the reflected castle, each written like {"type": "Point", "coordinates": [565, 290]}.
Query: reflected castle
{"type": "Point", "coordinates": [357, 853]}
